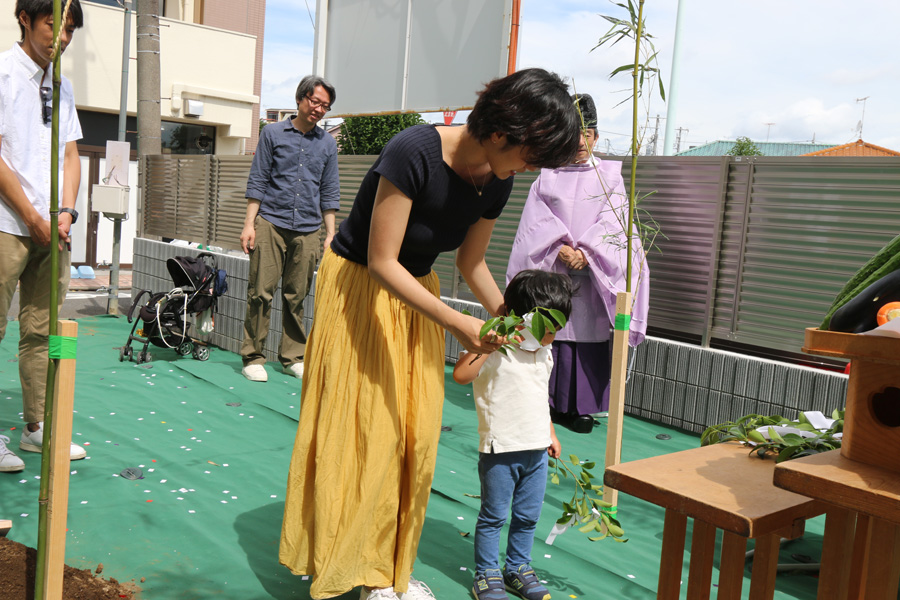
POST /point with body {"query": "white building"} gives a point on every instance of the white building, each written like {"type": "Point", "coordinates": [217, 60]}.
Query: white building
{"type": "Point", "coordinates": [210, 78]}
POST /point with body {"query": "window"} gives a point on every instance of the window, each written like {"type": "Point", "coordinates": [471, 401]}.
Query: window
{"type": "Point", "coordinates": [187, 138]}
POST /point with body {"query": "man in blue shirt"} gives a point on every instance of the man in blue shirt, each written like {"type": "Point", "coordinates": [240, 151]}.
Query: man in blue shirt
{"type": "Point", "coordinates": [292, 190]}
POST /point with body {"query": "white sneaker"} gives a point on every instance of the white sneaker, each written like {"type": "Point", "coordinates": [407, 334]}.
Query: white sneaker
{"type": "Point", "coordinates": [9, 462]}
{"type": "Point", "coordinates": [33, 440]}
{"type": "Point", "coordinates": [417, 591]}
{"type": "Point", "coordinates": [387, 593]}
{"type": "Point", "coordinates": [295, 369]}
{"type": "Point", "coordinates": [255, 373]}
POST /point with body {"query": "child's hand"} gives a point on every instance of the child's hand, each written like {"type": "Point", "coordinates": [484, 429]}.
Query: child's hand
{"type": "Point", "coordinates": [555, 448]}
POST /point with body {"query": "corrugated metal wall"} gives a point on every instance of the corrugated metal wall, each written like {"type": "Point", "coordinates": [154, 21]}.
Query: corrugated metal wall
{"type": "Point", "coordinates": [754, 248]}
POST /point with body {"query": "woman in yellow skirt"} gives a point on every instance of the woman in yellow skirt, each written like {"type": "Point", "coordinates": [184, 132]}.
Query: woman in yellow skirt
{"type": "Point", "coordinates": [373, 387]}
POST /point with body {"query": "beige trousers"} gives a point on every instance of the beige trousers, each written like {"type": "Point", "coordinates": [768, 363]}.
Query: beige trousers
{"type": "Point", "coordinates": [25, 263]}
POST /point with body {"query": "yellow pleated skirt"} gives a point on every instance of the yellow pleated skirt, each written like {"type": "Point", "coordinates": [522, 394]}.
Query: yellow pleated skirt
{"type": "Point", "coordinates": [365, 450]}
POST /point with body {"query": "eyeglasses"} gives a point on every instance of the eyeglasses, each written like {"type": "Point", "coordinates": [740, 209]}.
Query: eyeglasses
{"type": "Point", "coordinates": [46, 104]}
{"type": "Point", "coordinates": [314, 103]}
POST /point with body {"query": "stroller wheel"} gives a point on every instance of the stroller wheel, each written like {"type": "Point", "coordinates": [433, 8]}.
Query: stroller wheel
{"type": "Point", "coordinates": [126, 353]}
{"type": "Point", "coordinates": [201, 353]}
{"type": "Point", "coordinates": [122, 354]}
{"type": "Point", "coordinates": [143, 357]}
{"type": "Point", "coordinates": [185, 348]}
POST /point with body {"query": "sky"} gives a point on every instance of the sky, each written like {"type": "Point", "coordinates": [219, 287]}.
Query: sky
{"type": "Point", "coordinates": [770, 70]}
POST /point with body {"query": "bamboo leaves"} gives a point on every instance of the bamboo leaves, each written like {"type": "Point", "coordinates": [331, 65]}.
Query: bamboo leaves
{"type": "Point", "coordinates": [586, 507]}
{"type": "Point", "coordinates": [784, 446]}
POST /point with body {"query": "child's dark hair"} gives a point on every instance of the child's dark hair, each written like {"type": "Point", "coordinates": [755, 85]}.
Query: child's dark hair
{"type": "Point", "coordinates": [39, 8]}
{"type": "Point", "coordinates": [534, 288]}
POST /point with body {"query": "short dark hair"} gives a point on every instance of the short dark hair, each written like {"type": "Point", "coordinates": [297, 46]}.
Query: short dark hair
{"type": "Point", "coordinates": [309, 84]}
{"type": "Point", "coordinates": [532, 108]}
{"type": "Point", "coordinates": [533, 288]}
{"type": "Point", "coordinates": [39, 8]}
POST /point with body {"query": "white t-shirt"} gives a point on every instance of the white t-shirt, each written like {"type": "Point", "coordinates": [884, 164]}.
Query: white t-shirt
{"type": "Point", "coordinates": [512, 400]}
{"type": "Point", "coordinates": [24, 138]}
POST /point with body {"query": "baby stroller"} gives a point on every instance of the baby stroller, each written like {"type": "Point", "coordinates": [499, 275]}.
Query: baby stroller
{"type": "Point", "coordinates": [164, 318]}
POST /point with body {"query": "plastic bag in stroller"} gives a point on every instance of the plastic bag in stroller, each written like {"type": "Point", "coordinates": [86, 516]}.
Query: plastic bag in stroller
{"type": "Point", "coordinates": [164, 319]}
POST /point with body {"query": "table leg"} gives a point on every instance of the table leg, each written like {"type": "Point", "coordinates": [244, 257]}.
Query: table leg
{"type": "Point", "coordinates": [883, 570]}
{"type": "Point", "coordinates": [765, 565]}
{"type": "Point", "coordinates": [731, 566]}
{"type": "Point", "coordinates": [860, 557]}
{"type": "Point", "coordinates": [672, 556]}
{"type": "Point", "coordinates": [834, 573]}
{"type": "Point", "coordinates": [703, 550]}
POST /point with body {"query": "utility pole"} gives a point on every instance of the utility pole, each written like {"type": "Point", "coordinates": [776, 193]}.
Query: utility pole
{"type": "Point", "coordinates": [112, 303]}
{"type": "Point", "coordinates": [148, 110]}
{"type": "Point", "coordinates": [651, 147]}
{"type": "Point", "coordinates": [768, 128]}
{"type": "Point", "coordinates": [678, 139]}
{"type": "Point", "coordinates": [863, 100]}
{"type": "Point", "coordinates": [672, 100]}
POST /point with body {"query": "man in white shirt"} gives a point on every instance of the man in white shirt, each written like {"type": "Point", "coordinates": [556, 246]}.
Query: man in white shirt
{"type": "Point", "coordinates": [25, 149]}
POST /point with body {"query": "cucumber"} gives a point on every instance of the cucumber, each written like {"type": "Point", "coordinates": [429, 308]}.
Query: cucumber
{"type": "Point", "coordinates": [884, 262]}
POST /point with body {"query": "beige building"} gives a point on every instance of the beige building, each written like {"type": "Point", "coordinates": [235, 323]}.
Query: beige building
{"type": "Point", "coordinates": [210, 79]}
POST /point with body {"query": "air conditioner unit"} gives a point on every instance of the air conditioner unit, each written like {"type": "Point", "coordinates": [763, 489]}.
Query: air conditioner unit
{"type": "Point", "coordinates": [112, 200]}
{"type": "Point", "coordinates": [193, 108]}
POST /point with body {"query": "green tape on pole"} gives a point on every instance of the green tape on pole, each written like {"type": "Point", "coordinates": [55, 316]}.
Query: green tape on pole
{"type": "Point", "coordinates": [62, 347]}
{"type": "Point", "coordinates": [610, 511]}
{"type": "Point", "coordinates": [623, 322]}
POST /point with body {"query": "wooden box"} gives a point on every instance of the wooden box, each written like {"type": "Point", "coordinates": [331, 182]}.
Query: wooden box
{"type": "Point", "coordinates": [872, 420]}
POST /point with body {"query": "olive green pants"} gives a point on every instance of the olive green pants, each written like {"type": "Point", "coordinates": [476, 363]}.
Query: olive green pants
{"type": "Point", "coordinates": [27, 264]}
{"type": "Point", "coordinates": [289, 256]}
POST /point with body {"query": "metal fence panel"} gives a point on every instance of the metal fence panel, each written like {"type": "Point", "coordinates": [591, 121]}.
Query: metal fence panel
{"type": "Point", "coordinates": [228, 200]}
{"type": "Point", "coordinates": [753, 249]}
{"type": "Point", "coordinates": [683, 196]}
{"type": "Point", "coordinates": [176, 198]}
{"type": "Point", "coordinates": [810, 224]}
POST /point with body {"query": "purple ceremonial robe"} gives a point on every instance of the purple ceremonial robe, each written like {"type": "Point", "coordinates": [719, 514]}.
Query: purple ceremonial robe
{"type": "Point", "coordinates": [584, 206]}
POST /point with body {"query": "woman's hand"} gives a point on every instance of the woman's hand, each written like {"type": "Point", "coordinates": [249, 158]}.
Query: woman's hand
{"type": "Point", "coordinates": [574, 259]}
{"type": "Point", "coordinates": [467, 329]}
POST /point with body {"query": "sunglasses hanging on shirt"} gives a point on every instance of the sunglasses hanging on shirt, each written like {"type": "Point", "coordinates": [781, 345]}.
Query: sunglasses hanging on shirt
{"type": "Point", "coordinates": [47, 104]}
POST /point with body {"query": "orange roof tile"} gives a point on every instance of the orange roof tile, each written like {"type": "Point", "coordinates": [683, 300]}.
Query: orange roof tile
{"type": "Point", "coordinates": [857, 148]}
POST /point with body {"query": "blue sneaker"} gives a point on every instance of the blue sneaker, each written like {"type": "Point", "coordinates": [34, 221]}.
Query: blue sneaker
{"type": "Point", "coordinates": [489, 587]}
{"type": "Point", "coordinates": [524, 583]}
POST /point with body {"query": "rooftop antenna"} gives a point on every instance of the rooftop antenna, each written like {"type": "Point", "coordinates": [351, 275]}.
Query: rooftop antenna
{"type": "Point", "coordinates": [768, 128]}
{"type": "Point", "coordinates": [859, 126]}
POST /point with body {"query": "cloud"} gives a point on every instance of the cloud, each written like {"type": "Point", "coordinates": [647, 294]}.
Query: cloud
{"type": "Point", "coordinates": [284, 65]}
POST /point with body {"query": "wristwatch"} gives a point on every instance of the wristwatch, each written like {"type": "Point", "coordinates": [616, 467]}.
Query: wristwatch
{"type": "Point", "coordinates": [72, 212]}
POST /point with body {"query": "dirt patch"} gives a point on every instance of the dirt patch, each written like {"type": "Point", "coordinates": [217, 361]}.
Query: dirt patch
{"type": "Point", "coordinates": [17, 568]}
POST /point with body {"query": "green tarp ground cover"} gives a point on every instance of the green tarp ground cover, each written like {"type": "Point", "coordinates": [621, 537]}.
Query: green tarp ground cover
{"type": "Point", "coordinates": [214, 448]}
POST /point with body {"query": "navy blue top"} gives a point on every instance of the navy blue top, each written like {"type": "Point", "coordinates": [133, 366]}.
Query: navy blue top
{"type": "Point", "coordinates": [294, 176]}
{"type": "Point", "coordinates": [444, 204]}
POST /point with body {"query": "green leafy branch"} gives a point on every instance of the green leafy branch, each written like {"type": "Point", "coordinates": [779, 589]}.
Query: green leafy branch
{"type": "Point", "coordinates": [783, 447]}
{"type": "Point", "coordinates": [542, 321]}
{"type": "Point", "coordinates": [586, 506]}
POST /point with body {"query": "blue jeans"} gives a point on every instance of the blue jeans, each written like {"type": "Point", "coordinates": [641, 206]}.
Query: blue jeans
{"type": "Point", "coordinates": [519, 478]}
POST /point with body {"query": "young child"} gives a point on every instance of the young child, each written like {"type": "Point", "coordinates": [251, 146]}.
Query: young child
{"type": "Point", "coordinates": [515, 434]}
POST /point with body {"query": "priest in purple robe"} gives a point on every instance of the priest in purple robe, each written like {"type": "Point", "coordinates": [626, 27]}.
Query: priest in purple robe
{"type": "Point", "coordinates": [574, 222]}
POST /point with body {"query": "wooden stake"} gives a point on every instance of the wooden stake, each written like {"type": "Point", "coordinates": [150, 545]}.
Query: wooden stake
{"type": "Point", "coordinates": [5, 526]}
{"type": "Point", "coordinates": [60, 441]}
{"type": "Point", "coordinates": [617, 394]}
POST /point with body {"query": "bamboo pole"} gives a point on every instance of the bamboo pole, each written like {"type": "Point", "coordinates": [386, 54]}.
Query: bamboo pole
{"type": "Point", "coordinates": [617, 393]}
{"type": "Point", "coordinates": [43, 494]}
{"type": "Point", "coordinates": [60, 442]}
{"type": "Point", "coordinates": [624, 299]}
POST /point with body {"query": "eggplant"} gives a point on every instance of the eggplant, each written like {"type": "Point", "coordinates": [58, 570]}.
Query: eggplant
{"type": "Point", "coordinates": [860, 313]}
